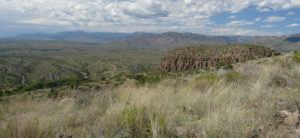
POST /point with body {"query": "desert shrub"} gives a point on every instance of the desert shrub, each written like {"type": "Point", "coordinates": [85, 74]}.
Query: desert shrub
{"type": "Point", "coordinates": [140, 79]}
{"type": "Point", "coordinates": [278, 81]}
{"type": "Point", "coordinates": [233, 76]}
{"type": "Point", "coordinates": [203, 82]}
{"type": "Point", "coordinates": [296, 56]}
{"type": "Point", "coordinates": [133, 122]}
{"type": "Point", "coordinates": [251, 57]}
{"type": "Point", "coordinates": [53, 93]}
{"type": "Point", "coordinates": [138, 122]}
{"type": "Point", "coordinates": [7, 92]}
{"type": "Point", "coordinates": [210, 77]}
{"type": "Point", "coordinates": [151, 78]}
{"type": "Point", "coordinates": [228, 66]}
{"type": "Point", "coordinates": [103, 78]}
{"type": "Point", "coordinates": [83, 99]}
{"type": "Point", "coordinates": [225, 65]}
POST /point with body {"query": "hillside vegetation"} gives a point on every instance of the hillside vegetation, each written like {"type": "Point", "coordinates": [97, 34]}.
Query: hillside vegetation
{"type": "Point", "coordinates": [42, 57]}
{"type": "Point", "coordinates": [258, 98]}
{"type": "Point", "coordinates": [25, 62]}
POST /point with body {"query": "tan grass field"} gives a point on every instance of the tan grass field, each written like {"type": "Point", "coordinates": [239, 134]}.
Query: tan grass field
{"type": "Point", "coordinates": [244, 102]}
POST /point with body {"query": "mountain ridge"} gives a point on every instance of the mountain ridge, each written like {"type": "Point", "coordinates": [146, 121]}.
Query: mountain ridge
{"type": "Point", "coordinates": [192, 58]}
{"type": "Point", "coordinates": [165, 41]}
{"type": "Point", "coordinates": [78, 36]}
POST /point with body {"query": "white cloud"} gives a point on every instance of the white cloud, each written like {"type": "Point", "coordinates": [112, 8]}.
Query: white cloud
{"type": "Point", "coordinates": [239, 23]}
{"type": "Point", "coordinates": [119, 14]}
{"type": "Point", "coordinates": [274, 19]}
{"type": "Point", "coordinates": [257, 19]}
{"type": "Point", "coordinates": [45, 21]}
{"type": "Point", "coordinates": [263, 9]}
{"type": "Point", "coordinates": [232, 17]}
{"type": "Point", "coordinates": [292, 25]}
{"type": "Point", "coordinates": [278, 4]}
{"type": "Point", "coordinates": [290, 13]}
{"type": "Point", "coordinates": [267, 26]}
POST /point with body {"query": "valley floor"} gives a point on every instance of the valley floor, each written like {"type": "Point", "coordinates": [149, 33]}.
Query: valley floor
{"type": "Point", "coordinates": [256, 99]}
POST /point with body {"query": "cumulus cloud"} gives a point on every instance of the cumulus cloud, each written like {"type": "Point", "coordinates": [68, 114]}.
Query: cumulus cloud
{"type": "Point", "coordinates": [267, 26]}
{"type": "Point", "coordinates": [123, 13]}
{"type": "Point", "coordinates": [290, 13]}
{"type": "Point", "coordinates": [278, 4]}
{"type": "Point", "coordinates": [232, 17]}
{"type": "Point", "coordinates": [239, 23]}
{"type": "Point", "coordinates": [292, 25]}
{"type": "Point", "coordinates": [257, 19]}
{"type": "Point", "coordinates": [274, 19]}
{"type": "Point", "coordinates": [263, 9]}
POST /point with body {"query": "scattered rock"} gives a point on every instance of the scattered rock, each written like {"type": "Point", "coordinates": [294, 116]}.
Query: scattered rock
{"type": "Point", "coordinates": [289, 119]}
{"type": "Point", "coordinates": [297, 133]}
{"type": "Point", "coordinates": [255, 101]}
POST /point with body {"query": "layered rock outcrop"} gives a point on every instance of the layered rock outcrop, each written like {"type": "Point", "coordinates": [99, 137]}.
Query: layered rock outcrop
{"type": "Point", "coordinates": [191, 58]}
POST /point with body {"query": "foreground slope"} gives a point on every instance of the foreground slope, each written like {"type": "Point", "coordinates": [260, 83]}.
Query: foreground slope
{"type": "Point", "coordinates": [259, 98]}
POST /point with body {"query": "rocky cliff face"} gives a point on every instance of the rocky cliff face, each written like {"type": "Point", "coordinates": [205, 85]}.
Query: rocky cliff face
{"type": "Point", "coordinates": [191, 58]}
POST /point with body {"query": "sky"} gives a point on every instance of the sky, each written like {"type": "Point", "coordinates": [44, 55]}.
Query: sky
{"type": "Point", "coordinates": [211, 17]}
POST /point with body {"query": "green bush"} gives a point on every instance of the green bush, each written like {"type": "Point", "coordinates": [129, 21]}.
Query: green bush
{"type": "Point", "coordinates": [83, 99]}
{"type": "Point", "coordinates": [53, 93]}
{"type": "Point", "coordinates": [134, 122]}
{"type": "Point", "coordinates": [150, 78]}
{"type": "Point", "coordinates": [296, 56]}
{"type": "Point", "coordinates": [1, 93]}
{"type": "Point", "coordinates": [205, 81]}
{"type": "Point", "coordinates": [103, 78]}
{"type": "Point", "coordinates": [210, 77]}
{"type": "Point", "coordinates": [278, 81]}
{"type": "Point", "coordinates": [7, 92]}
{"type": "Point", "coordinates": [138, 123]}
{"type": "Point", "coordinates": [140, 79]}
{"type": "Point", "coordinates": [233, 76]}
{"type": "Point", "coordinates": [225, 65]}
{"type": "Point", "coordinates": [252, 57]}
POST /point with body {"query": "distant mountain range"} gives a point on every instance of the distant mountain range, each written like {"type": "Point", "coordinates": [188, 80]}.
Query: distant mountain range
{"type": "Point", "coordinates": [164, 41]}
{"type": "Point", "coordinates": [79, 36]}
{"type": "Point", "coordinates": [293, 38]}
{"type": "Point", "coordinates": [102, 37]}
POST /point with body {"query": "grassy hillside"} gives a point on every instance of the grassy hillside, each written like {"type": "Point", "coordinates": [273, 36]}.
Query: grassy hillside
{"type": "Point", "coordinates": [247, 101]}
